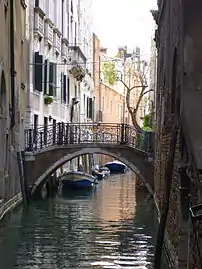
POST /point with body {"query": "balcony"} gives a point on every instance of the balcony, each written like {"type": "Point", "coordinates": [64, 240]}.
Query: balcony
{"type": "Point", "coordinates": [39, 22]}
{"type": "Point", "coordinates": [78, 60]}
{"type": "Point", "coordinates": [48, 32]}
{"type": "Point", "coordinates": [57, 40]}
{"type": "Point", "coordinates": [65, 48]}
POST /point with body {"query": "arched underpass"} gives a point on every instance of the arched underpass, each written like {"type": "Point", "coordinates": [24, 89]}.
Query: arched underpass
{"type": "Point", "coordinates": [41, 164]}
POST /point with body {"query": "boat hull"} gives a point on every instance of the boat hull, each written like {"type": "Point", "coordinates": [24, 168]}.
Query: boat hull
{"type": "Point", "coordinates": [77, 180]}
{"type": "Point", "coordinates": [116, 168]}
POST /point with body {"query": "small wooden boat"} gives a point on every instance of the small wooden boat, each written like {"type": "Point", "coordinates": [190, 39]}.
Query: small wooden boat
{"type": "Point", "coordinates": [116, 167]}
{"type": "Point", "coordinates": [77, 180]}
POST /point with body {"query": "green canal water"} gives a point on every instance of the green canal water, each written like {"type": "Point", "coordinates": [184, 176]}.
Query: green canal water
{"type": "Point", "coordinates": [113, 227]}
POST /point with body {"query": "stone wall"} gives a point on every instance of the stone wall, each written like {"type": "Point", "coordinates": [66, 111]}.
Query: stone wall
{"type": "Point", "coordinates": [11, 137]}
{"type": "Point", "coordinates": [180, 240]}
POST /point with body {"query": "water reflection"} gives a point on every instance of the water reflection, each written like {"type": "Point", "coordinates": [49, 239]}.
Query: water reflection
{"type": "Point", "coordinates": [111, 228]}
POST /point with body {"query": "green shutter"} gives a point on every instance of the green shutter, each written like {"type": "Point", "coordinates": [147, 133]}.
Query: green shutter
{"type": "Point", "coordinates": [38, 72]}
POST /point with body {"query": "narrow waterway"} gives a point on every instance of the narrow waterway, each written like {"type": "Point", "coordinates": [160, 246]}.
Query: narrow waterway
{"type": "Point", "coordinates": [114, 227]}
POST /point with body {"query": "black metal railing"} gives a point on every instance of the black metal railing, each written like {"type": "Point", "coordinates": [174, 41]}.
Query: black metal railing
{"type": "Point", "coordinates": [82, 133]}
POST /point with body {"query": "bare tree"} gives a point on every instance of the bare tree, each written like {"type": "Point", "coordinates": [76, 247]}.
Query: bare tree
{"type": "Point", "coordinates": [139, 78]}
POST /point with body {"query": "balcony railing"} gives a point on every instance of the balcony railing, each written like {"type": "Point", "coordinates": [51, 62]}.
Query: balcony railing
{"type": "Point", "coordinates": [48, 32]}
{"type": "Point", "coordinates": [39, 21]}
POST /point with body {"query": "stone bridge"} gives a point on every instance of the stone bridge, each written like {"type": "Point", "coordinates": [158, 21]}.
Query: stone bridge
{"type": "Point", "coordinates": [49, 147]}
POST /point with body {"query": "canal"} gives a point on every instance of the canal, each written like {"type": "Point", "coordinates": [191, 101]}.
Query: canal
{"type": "Point", "coordinates": [114, 227]}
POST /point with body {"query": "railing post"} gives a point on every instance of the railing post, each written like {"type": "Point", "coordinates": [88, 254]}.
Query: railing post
{"type": "Point", "coordinates": [127, 132]}
{"type": "Point", "coordinates": [71, 140]}
{"type": "Point", "coordinates": [41, 140]}
{"type": "Point", "coordinates": [66, 133]}
{"type": "Point", "coordinates": [122, 133]}
{"type": "Point", "coordinates": [54, 133]}
{"type": "Point", "coordinates": [59, 133]}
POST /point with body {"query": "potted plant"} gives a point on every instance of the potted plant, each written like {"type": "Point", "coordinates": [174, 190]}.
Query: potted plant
{"type": "Point", "coordinates": [48, 99]}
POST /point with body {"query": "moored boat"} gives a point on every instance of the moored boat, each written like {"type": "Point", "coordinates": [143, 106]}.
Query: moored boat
{"type": "Point", "coordinates": [100, 172]}
{"type": "Point", "coordinates": [77, 180]}
{"type": "Point", "coordinates": [116, 167]}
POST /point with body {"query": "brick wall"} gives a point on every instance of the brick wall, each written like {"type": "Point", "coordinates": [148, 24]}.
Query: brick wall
{"type": "Point", "coordinates": [180, 238]}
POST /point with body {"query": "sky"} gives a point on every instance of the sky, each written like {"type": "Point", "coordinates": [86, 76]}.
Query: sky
{"type": "Point", "coordinates": [124, 22]}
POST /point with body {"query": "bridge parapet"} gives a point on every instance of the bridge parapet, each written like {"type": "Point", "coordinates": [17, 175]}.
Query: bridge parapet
{"type": "Point", "coordinates": [82, 133]}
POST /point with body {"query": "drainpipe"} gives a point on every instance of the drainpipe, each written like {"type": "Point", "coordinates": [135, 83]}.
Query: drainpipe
{"type": "Point", "coordinates": [12, 64]}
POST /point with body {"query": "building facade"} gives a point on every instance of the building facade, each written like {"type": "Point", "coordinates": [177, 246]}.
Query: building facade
{"type": "Point", "coordinates": [13, 86]}
{"type": "Point", "coordinates": [60, 64]}
{"type": "Point", "coordinates": [178, 110]}
{"type": "Point", "coordinates": [60, 46]}
{"type": "Point", "coordinates": [109, 99]}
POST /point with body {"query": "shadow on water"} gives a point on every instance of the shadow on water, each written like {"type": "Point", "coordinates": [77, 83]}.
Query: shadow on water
{"type": "Point", "coordinates": [76, 194]}
{"type": "Point", "coordinates": [113, 227]}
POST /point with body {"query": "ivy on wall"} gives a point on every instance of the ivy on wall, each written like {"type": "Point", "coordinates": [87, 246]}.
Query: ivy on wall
{"type": "Point", "coordinates": [147, 122]}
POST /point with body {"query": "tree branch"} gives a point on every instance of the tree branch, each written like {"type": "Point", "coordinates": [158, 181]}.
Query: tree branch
{"type": "Point", "coordinates": [151, 90]}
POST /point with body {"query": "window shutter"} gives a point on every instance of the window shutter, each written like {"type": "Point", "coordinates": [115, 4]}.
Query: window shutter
{"type": "Point", "coordinates": [87, 107]}
{"type": "Point", "coordinates": [64, 88]}
{"type": "Point", "coordinates": [90, 108]}
{"type": "Point", "coordinates": [38, 72]}
{"type": "Point", "coordinates": [68, 90]}
{"type": "Point", "coordinates": [55, 79]}
{"type": "Point", "coordinates": [62, 85]}
{"type": "Point", "coordinates": [93, 109]}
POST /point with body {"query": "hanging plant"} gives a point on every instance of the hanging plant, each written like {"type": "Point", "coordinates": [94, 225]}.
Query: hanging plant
{"type": "Point", "coordinates": [48, 99]}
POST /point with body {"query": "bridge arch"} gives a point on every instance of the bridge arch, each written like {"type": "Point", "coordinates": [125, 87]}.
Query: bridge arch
{"type": "Point", "coordinates": [47, 161]}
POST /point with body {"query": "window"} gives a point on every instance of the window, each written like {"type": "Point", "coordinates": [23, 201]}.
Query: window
{"type": "Point", "coordinates": [68, 90]}
{"type": "Point", "coordinates": [119, 111]}
{"type": "Point", "coordinates": [103, 103]}
{"type": "Point", "coordinates": [75, 91]}
{"type": "Point", "coordinates": [111, 107]}
{"type": "Point", "coordinates": [71, 7]}
{"type": "Point", "coordinates": [75, 34]}
{"type": "Point", "coordinates": [84, 101]}
{"type": "Point", "coordinates": [87, 107]}
{"type": "Point", "coordinates": [63, 88]}
{"type": "Point", "coordinates": [52, 78]}
{"type": "Point", "coordinates": [45, 76]}
{"type": "Point", "coordinates": [90, 108]}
